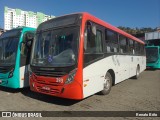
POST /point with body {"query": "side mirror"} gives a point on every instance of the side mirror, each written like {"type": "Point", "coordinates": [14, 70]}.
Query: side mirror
{"type": "Point", "coordinates": [30, 36]}
{"type": "Point", "coordinates": [29, 43]}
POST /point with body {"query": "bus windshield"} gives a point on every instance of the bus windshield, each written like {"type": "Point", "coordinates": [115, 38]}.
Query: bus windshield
{"type": "Point", "coordinates": [152, 54]}
{"type": "Point", "coordinates": [155, 42]}
{"type": "Point", "coordinates": [56, 48]}
{"type": "Point", "coordinates": [8, 48]}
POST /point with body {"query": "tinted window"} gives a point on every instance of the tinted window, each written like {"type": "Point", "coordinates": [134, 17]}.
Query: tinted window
{"type": "Point", "coordinates": [131, 46]}
{"type": "Point", "coordinates": [98, 42]}
{"type": "Point", "coordinates": [142, 49]}
{"type": "Point", "coordinates": [94, 44]}
{"type": "Point", "coordinates": [137, 48]}
{"type": "Point", "coordinates": [152, 54]}
{"type": "Point", "coordinates": [28, 38]}
{"type": "Point", "coordinates": [111, 39]}
{"type": "Point", "coordinates": [123, 44]}
{"type": "Point", "coordinates": [26, 48]}
{"type": "Point", "coordinates": [8, 50]}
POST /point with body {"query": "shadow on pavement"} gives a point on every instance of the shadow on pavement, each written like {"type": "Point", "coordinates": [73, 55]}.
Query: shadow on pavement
{"type": "Point", "coordinates": [151, 69]}
{"type": "Point", "coordinates": [47, 98]}
{"type": "Point", "coordinates": [11, 90]}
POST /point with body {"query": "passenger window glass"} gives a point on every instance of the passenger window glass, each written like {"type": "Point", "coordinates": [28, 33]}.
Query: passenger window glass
{"type": "Point", "coordinates": [111, 39]}
{"type": "Point", "coordinates": [131, 46]}
{"type": "Point", "coordinates": [94, 45]}
{"type": "Point", "coordinates": [98, 41]}
{"type": "Point", "coordinates": [137, 48]}
{"type": "Point", "coordinates": [123, 44]}
{"type": "Point", "coordinates": [23, 49]}
{"type": "Point", "coordinates": [142, 49]}
{"type": "Point", "coordinates": [26, 43]}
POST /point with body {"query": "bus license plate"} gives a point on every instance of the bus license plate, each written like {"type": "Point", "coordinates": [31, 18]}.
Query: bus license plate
{"type": "Point", "coordinates": [46, 88]}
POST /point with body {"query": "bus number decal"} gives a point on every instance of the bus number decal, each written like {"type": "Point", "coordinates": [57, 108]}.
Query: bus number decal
{"type": "Point", "coordinates": [59, 80]}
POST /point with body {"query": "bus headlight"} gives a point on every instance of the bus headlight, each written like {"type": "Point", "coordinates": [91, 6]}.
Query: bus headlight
{"type": "Point", "coordinates": [11, 73]}
{"type": "Point", "coordinates": [71, 76]}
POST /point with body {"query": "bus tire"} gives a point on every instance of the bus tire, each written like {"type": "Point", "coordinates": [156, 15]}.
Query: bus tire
{"type": "Point", "coordinates": [137, 72]}
{"type": "Point", "coordinates": [107, 84]}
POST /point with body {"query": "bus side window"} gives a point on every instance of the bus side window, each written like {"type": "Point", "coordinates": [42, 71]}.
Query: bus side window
{"type": "Point", "coordinates": [123, 44]}
{"type": "Point", "coordinates": [142, 50]}
{"type": "Point", "coordinates": [131, 47]}
{"type": "Point", "coordinates": [92, 44]}
{"type": "Point", "coordinates": [137, 48]}
{"type": "Point", "coordinates": [26, 45]}
{"type": "Point", "coordinates": [111, 39]}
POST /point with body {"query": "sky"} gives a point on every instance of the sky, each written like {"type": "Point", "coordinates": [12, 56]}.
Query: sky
{"type": "Point", "coordinates": [127, 13]}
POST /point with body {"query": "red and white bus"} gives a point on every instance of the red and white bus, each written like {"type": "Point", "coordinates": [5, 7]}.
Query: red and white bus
{"type": "Point", "coordinates": [77, 55]}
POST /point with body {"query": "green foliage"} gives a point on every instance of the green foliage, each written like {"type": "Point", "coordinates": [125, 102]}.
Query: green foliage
{"type": "Point", "coordinates": [136, 30]}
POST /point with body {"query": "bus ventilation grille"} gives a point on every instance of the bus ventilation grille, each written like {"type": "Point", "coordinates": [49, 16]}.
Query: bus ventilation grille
{"type": "Point", "coordinates": [49, 73]}
{"type": "Point", "coordinates": [5, 69]}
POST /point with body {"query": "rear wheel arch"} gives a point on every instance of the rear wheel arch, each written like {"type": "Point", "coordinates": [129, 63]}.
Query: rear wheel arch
{"type": "Point", "coordinates": [137, 72]}
{"type": "Point", "coordinates": [109, 81]}
{"type": "Point", "coordinates": [113, 76]}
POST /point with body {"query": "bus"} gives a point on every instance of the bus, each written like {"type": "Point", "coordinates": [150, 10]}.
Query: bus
{"type": "Point", "coordinates": [77, 55]}
{"type": "Point", "coordinates": [15, 48]}
{"type": "Point", "coordinates": [152, 40]}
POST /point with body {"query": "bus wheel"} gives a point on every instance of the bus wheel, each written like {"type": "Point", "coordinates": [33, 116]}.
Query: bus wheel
{"type": "Point", "coordinates": [107, 84]}
{"type": "Point", "coordinates": [137, 72]}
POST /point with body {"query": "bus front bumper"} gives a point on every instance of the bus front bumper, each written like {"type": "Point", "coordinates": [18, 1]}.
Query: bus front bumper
{"type": "Point", "coordinates": [69, 91]}
{"type": "Point", "coordinates": [153, 65]}
{"type": "Point", "coordinates": [8, 82]}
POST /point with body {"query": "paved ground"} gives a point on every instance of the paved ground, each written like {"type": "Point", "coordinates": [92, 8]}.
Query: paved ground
{"type": "Point", "coordinates": [130, 95]}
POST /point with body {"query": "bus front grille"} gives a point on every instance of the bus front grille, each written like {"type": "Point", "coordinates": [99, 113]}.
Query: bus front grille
{"type": "Point", "coordinates": [49, 73]}
{"type": "Point", "coordinates": [5, 69]}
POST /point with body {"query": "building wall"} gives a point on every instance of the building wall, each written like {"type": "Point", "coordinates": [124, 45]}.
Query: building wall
{"type": "Point", "coordinates": [152, 35]}
{"type": "Point", "coordinates": [17, 17]}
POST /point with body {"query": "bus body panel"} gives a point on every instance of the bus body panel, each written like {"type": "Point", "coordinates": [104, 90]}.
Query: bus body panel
{"type": "Point", "coordinates": [24, 76]}
{"type": "Point", "coordinates": [9, 82]}
{"type": "Point", "coordinates": [17, 81]}
{"type": "Point", "coordinates": [94, 74]}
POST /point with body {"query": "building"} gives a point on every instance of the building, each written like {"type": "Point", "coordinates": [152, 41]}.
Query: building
{"type": "Point", "coordinates": [158, 29]}
{"type": "Point", "coordinates": [152, 35]}
{"type": "Point", "coordinates": [17, 17]}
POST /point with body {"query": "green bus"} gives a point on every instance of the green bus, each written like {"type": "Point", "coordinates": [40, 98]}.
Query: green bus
{"type": "Point", "coordinates": [15, 48]}
{"type": "Point", "coordinates": [153, 50]}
